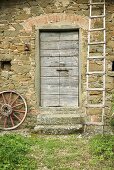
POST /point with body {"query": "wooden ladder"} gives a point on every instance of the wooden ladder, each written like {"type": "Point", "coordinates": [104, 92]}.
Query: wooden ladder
{"type": "Point", "coordinates": [96, 58]}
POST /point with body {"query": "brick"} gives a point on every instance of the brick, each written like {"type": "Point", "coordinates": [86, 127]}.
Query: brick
{"type": "Point", "coordinates": [45, 19]}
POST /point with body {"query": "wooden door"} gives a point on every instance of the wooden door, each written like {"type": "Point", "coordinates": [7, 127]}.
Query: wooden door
{"type": "Point", "coordinates": [59, 55]}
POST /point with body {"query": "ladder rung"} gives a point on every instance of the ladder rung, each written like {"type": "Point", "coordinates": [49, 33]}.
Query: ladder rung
{"type": "Point", "coordinates": [96, 29]}
{"type": "Point", "coordinates": [98, 16]}
{"type": "Point", "coordinates": [96, 43]}
{"type": "Point", "coordinates": [95, 72]}
{"type": "Point", "coordinates": [94, 123]}
{"type": "Point", "coordinates": [96, 57]}
{"type": "Point", "coordinates": [95, 89]}
{"type": "Point", "coordinates": [97, 3]}
{"type": "Point", "coordinates": [95, 105]}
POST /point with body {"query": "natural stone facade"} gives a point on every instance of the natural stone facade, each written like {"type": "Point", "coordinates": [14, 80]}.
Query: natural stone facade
{"type": "Point", "coordinates": [19, 22]}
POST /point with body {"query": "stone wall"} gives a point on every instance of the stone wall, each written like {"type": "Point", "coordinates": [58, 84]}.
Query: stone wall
{"type": "Point", "coordinates": [19, 21]}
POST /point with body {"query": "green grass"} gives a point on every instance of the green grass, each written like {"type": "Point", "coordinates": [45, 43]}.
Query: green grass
{"type": "Point", "coordinates": [14, 153]}
{"type": "Point", "coordinates": [41, 152]}
{"type": "Point", "coordinates": [102, 149]}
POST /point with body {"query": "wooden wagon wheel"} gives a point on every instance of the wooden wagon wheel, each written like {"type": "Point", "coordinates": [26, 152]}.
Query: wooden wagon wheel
{"type": "Point", "coordinates": [13, 110]}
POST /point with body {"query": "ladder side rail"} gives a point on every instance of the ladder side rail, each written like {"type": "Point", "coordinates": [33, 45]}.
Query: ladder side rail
{"type": "Point", "coordinates": [102, 105]}
{"type": "Point", "coordinates": [104, 54]}
{"type": "Point", "coordinates": [87, 76]}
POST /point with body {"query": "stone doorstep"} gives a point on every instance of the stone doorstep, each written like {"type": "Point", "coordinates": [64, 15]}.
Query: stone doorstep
{"type": "Point", "coordinates": [58, 129]}
{"type": "Point", "coordinates": [57, 119]}
{"type": "Point", "coordinates": [61, 110]}
{"type": "Point", "coordinates": [61, 115]}
{"type": "Point", "coordinates": [54, 112]}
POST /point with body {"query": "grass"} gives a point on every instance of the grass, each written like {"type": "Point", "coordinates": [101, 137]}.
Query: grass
{"type": "Point", "coordinates": [56, 152]}
{"type": "Point", "coordinates": [14, 153]}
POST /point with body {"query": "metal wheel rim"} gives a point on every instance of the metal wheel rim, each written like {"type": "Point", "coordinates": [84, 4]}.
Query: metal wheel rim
{"type": "Point", "coordinates": [25, 111]}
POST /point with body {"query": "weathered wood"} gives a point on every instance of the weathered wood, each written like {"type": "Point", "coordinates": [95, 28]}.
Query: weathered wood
{"type": "Point", "coordinates": [69, 36]}
{"type": "Point", "coordinates": [62, 61]}
{"type": "Point", "coordinates": [57, 53]}
{"type": "Point", "coordinates": [58, 85]}
{"type": "Point", "coordinates": [50, 81]}
{"type": "Point", "coordinates": [49, 72]}
{"type": "Point", "coordinates": [69, 61]}
{"type": "Point", "coordinates": [57, 45]}
{"type": "Point", "coordinates": [69, 86]}
{"type": "Point", "coordinates": [68, 90]}
{"type": "Point", "coordinates": [50, 36]}
{"type": "Point", "coordinates": [69, 100]}
{"type": "Point", "coordinates": [69, 72]}
{"type": "Point", "coordinates": [59, 101]}
{"type": "Point", "coordinates": [50, 61]}
{"type": "Point", "coordinates": [59, 71]}
{"type": "Point", "coordinates": [50, 100]}
{"type": "Point", "coordinates": [56, 100]}
{"type": "Point", "coordinates": [49, 89]}
{"type": "Point", "coordinates": [58, 36]}
{"type": "Point", "coordinates": [50, 85]}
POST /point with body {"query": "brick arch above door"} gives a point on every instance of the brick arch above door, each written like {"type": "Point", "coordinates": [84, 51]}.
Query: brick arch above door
{"type": "Point", "coordinates": [39, 21]}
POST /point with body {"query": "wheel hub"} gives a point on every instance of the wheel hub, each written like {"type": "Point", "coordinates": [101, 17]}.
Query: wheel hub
{"type": "Point", "coordinates": [6, 110]}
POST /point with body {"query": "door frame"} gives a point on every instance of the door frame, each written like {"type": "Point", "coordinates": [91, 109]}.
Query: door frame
{"type": "Point", "coordinates": [37, 60]}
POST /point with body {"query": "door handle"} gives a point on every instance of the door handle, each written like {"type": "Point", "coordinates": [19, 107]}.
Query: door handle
{"type": "Point", "coordinates": [62, 70]}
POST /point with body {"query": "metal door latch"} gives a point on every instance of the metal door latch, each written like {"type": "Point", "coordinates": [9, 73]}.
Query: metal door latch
{"type": "Point", "coordinates": [63, 70]}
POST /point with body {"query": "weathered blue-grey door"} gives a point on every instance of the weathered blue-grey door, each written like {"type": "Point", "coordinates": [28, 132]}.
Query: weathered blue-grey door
{"type": "Point", "coordinates": [59, 55]}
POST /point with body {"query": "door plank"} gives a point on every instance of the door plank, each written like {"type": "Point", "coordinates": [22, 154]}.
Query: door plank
{"type": "Point", "coordinates": [57, 36]}
{"type": "Point", "coordinates": [69, 85]}
{"type": "Point", "coordinates": [69, 101]}
{"type": "Point", "coordinates": [49, 85]}
{"type": "Point", "coordinates": [69, 72]}
{"type": "Point", "coordinates": [50, 100]}
{"type": "Point", "coordinates": [49, 72]}
{"type": "Point", "coordinates": [49, 36]}
{"type": "Point", "coordinates": [57, 53]}
{"type": "Point", "coordinates": [69, 36]}
{"type": "Point", "coordinates": [59, 72]}
{"type": "Point", "coordinates": [69, 61]}
{"type": "Point", "coordinates": [59, 45]}
{"type": "Point", "coordinates": [50, 61]}
{"type": "Point", "coordinates": [62, 61]}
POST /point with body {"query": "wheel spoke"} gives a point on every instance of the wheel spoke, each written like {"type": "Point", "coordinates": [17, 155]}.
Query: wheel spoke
{"type": "Point", "coordinates": [12, 122]}
{"type": "Point", "coordinates": [20, 111]}
{"type": "Point", "coordinates": [18, 105]}
{"type": "Point", "coordinates": [16, 117]}
{"type": "Point", "coordinates": [1, 116]}
{"type": "Point", "coordinates": [10, 98]}
{"type": "Point", "coordinates": [4, 99]}
{"type": "Point", "coordinates": [14, 100]}
{"type": "Point", "coordinates": [5, 122]}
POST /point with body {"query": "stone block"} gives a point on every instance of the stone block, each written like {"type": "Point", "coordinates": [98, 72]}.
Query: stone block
{"type": "Point", "coordinates": [58, 130]}
{"type": "Point", "coordinates": [59, 119]}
